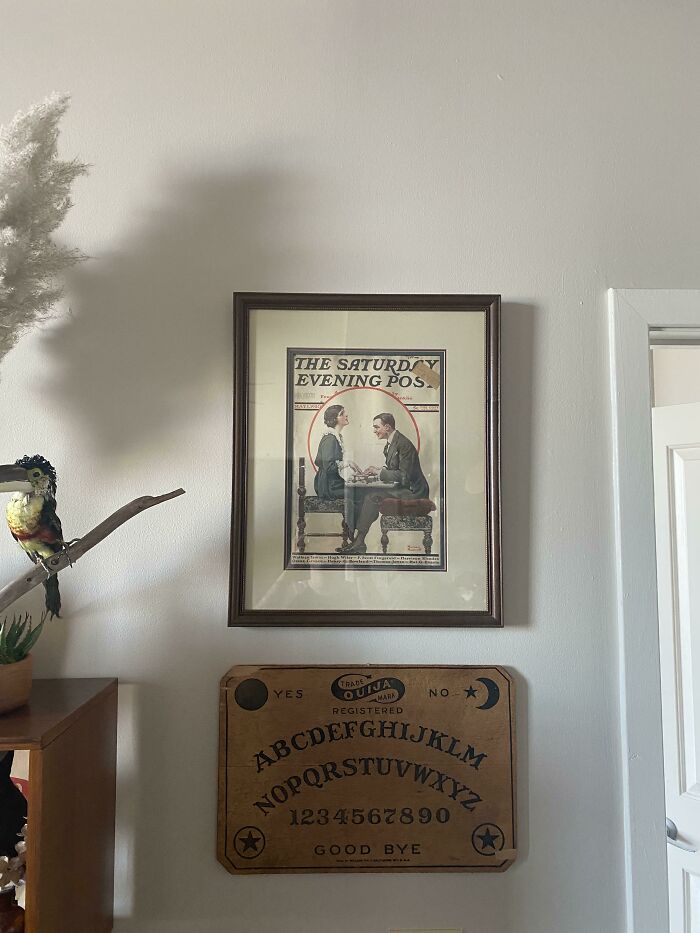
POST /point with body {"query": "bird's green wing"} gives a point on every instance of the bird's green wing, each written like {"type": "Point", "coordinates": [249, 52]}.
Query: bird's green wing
{"type": "Point", "coordinates": [49, 518]}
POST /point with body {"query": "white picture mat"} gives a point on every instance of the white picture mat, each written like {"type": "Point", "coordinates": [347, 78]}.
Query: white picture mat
{"type": "Point", "coordinates": [464, 585]}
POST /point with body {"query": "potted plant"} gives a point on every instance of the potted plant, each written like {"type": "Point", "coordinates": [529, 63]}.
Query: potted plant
{"type": "Point", "coordinates": [17, 638]}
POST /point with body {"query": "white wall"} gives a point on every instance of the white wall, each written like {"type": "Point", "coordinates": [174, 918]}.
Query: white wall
{"type": "Point", "coordinates": [676, 373]}
{"type": "Point", "coordinates": [543, 150]}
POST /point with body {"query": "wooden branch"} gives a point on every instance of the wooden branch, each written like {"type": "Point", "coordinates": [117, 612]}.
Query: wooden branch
{"type": "Point", "coordinates": [27, 582]}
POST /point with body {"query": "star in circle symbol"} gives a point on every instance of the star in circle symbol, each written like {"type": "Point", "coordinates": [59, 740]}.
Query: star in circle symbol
{"type": "Point", "coordinates": [488, 839]}
{"type": "Point", "coordinates": [471, 692]}
{"type": "Point", "coordinates": [249, 842]}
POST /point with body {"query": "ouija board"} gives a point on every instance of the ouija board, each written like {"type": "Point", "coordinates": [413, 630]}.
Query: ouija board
{"type": "Point", "coordinates": [366, 768]}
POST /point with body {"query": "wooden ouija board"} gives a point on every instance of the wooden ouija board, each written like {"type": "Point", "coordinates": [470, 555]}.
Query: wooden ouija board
{"type": "Point", "coordinates": [366, 768]}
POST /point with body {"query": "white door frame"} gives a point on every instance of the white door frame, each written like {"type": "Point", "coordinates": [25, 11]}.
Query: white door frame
{"type": "Point", "coordinates": [633, 313]}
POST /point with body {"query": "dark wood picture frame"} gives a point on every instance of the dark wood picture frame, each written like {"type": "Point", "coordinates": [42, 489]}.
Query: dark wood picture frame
{"type": "Point", "coordinates": [244, 304]}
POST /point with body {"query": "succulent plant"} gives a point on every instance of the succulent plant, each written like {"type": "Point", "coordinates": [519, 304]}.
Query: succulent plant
{"type": "Point", "coordinates": [17, 638]}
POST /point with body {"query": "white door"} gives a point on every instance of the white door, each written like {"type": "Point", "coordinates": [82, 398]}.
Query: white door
{"type": "Point", "coordinates": [676, 438]}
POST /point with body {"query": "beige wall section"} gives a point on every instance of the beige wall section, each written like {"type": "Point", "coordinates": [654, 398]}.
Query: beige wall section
{"type": "Point", "coordinates": [676, 374]}
{"type": "Point", "coordinates": [20, 765]}
{"type": "Point", "coordinates": [543, 150]}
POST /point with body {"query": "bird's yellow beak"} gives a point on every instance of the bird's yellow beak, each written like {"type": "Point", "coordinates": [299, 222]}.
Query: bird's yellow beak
{"type": "Point", "coordinates": [14, 479]}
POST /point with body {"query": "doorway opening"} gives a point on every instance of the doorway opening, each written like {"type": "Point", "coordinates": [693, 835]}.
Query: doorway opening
{"type": "Point", "coordinates": [676, 460]}
{"type": "Point", "coordinates": [642, 319]}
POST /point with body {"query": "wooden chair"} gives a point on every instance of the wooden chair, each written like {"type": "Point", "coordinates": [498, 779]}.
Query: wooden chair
{"type": "Point", "coordinates": [422, 523]}
{"type": "Point", "coordinates": [316, 505]}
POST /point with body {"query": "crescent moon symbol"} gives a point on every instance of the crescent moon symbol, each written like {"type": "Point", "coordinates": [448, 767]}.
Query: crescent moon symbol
{"type": "Point", "coordinates": [493, 690]}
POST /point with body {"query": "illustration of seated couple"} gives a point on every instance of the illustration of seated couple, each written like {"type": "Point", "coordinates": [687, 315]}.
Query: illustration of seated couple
{"type": "Point", "coordinates": [401, 472]}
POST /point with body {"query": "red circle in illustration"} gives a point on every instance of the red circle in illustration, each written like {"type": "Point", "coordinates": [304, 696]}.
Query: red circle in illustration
{"type": "Point", "coordinates": [358, 389]}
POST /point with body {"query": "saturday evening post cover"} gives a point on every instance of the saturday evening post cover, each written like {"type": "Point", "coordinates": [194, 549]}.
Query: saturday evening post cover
{"type": "Point", "coordinates": [365, 427]}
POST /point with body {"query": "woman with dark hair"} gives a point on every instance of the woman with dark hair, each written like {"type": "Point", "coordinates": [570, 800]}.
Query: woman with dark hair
{"type": "Point", "coordinates": [330, 459]}
{"type": "Point", "coordinates": [330, 462]}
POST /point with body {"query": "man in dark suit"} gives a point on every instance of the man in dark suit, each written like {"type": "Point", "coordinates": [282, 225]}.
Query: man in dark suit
{"type": "Point", "coordinates": [402, 467]}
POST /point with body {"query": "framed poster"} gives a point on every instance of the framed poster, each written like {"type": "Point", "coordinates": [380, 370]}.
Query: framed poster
{"type": "Point", "coordinates": [366, 460]}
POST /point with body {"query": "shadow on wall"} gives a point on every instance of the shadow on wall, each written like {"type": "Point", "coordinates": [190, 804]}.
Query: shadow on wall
{"type": "Point", "coordinates": [518, 325]}
{"type": "Point", "coordinates": [147, 347]}
{"type": "Point", "coordinates": [518, 329]}
{"type": "Point", "coordinates": [153, 319]}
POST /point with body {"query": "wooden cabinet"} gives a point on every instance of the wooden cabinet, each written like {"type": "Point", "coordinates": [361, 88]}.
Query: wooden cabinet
{"type": "Point", "coordinates": [70, 730]}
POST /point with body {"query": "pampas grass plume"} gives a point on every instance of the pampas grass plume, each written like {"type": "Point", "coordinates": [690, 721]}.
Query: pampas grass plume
{"type": "Point", "coordinates": [34, 199]}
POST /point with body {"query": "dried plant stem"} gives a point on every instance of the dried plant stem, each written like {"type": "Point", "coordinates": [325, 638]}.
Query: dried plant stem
{"type": "Point", "coordinates": [27, 582]}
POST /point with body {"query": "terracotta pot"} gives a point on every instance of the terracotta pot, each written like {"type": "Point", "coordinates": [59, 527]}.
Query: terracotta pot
{"type": "Point", "coordinates": [15, 684]}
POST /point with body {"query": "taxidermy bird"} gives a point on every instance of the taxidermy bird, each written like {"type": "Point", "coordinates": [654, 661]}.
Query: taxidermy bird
{"type": "Point", "coordinates": [33, 522]}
